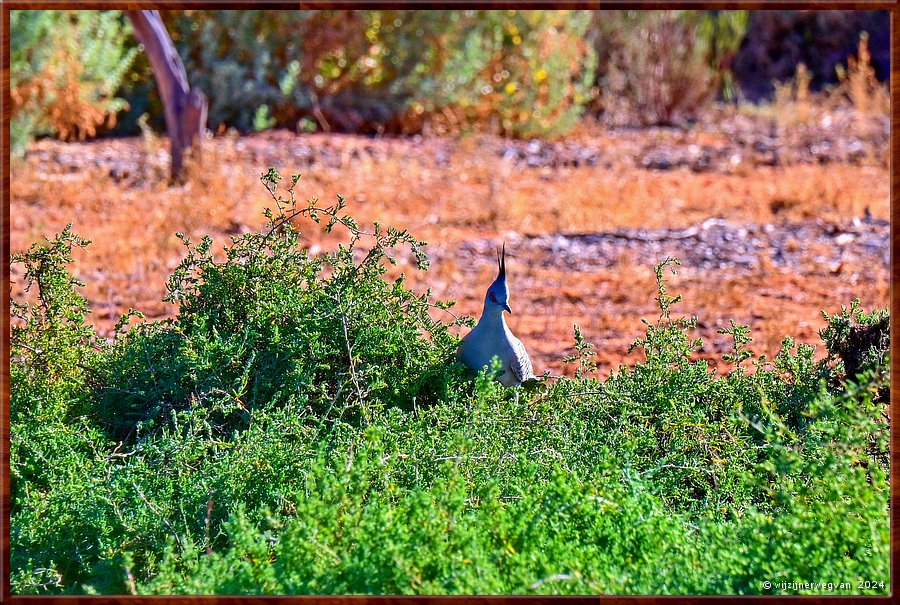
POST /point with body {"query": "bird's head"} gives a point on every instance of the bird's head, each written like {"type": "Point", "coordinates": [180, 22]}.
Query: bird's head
{"type": "Point", "coordinates": [498, 293]}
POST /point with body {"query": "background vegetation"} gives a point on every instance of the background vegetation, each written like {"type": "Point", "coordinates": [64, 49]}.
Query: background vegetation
{"type": "Point", "coordinates": [516, 73]}
{"type": "Point", "coordinates": [66, 68]}
{"type": "Point", "coordinates": [301, 427]}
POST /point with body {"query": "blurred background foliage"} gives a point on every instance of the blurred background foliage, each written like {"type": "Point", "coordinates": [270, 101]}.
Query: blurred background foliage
{"type": "Point", "coordinates": [516, 73]}
{"type": "Point", "coordinates": [65, 70]}
{"type": "Point", "coordinates": [659, 66]}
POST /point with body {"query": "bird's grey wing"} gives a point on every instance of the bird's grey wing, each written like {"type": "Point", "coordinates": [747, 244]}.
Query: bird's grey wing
{"type": "Point", "coordinates": [520, 364]}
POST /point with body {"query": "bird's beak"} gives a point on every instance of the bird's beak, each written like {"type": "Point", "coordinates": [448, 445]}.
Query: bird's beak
{"type": "Point", "coordinates": [508, 310]}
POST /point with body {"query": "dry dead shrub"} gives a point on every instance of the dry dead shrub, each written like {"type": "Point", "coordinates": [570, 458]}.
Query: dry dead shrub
{"type": "Point", "coordinates": [67, 72]}
{"type": "Point", "coordinates": [859, 84]}
{"type": "Point", "coordinates": [859, 90]}
{"type": "Point", "coordinates": [65, 110]}
{"type": "Point", "coordinates": [793, 101]}
{"type": "Point", "coordinates": [658, 76]}
{"type": "Point", "coordinates": [69, 110]}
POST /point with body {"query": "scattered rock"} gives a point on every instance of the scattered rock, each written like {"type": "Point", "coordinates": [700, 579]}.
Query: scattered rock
{"type": "Point", "coordinates": [714, 244]}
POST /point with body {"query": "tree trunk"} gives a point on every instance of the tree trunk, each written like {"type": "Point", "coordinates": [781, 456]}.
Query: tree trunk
{"type": "Point", "coordinates": [185, 108]}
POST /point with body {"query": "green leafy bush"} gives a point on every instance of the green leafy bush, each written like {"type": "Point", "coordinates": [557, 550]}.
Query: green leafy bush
{"type": "Point", "coordinates": [301, 427]}
{"type": "Point", "coordinates": [860, 340]}
{"type": "Point", "coordinates": [55, 447]}
{"type": "Point", "coordinates": [271, 325]}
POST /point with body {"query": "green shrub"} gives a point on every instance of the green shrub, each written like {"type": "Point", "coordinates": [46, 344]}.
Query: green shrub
{"type": "Point", "coordinates": [357, 527]}
{"type": "Point", "coordinates": [860, 341]}
{"type": "Point", "coordinates": [56, 450]}
{"type": "Point", "coordinates": [271, 325]}
{"type": "Point", "coordinates": [301, 427]}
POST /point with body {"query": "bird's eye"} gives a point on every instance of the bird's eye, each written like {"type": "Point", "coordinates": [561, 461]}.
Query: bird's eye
{"type": "Point", "coordinates": [493, 297]}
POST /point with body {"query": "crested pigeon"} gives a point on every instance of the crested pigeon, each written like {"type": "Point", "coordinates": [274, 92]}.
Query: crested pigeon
{"type": "Point", "coordinates": [491, 336]}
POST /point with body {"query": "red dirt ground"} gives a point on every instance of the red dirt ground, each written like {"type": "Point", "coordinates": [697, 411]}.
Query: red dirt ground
{"type": "Point", "coordinates": [771, 228]}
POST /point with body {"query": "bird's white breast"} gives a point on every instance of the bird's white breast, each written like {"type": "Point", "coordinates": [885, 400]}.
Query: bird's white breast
{"type": "Point", "coordinates": [477, 349]}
